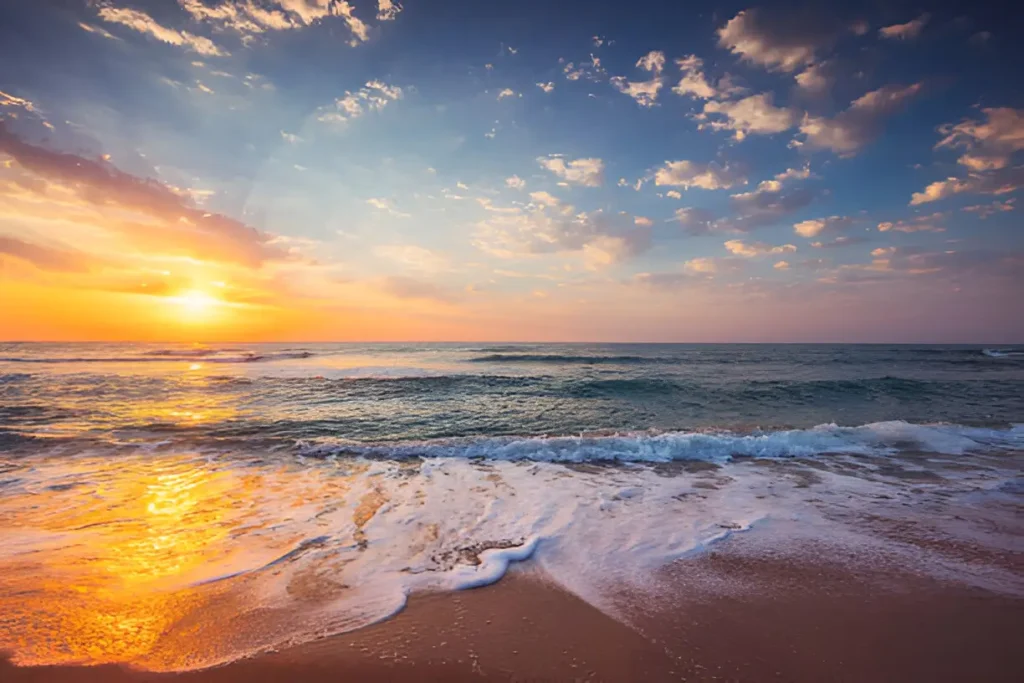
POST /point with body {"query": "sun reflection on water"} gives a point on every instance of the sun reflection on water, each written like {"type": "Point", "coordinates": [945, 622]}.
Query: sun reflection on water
{"type": "Point", "coordinates": [104, 574]}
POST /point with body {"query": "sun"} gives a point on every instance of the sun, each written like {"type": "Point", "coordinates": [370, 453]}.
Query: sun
{"type": "Point", "coordinates": [196, 305]}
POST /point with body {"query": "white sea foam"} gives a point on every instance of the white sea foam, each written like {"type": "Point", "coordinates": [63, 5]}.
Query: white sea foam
{"type": "Point", "coordinates": [1002, 353]}
{"type": "Point", "coordinates": [878, 438]}
{"type": "Point", "coordinates": [325, 546]}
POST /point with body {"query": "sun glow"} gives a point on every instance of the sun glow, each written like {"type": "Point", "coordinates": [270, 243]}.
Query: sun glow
{"type": "Point", "coordinates": [196, 305]}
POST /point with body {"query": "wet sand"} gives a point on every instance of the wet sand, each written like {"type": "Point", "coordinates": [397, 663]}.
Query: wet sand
{"type": "Point", "coordinates": [727, 615]}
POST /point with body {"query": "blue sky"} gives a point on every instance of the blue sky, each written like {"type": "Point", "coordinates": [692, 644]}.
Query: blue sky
{"type": "Point", "coordinates": [572, 170]}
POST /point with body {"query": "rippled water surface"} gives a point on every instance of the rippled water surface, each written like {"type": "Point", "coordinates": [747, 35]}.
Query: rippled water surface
{"type": "Point", "coordinates": [179, 506]}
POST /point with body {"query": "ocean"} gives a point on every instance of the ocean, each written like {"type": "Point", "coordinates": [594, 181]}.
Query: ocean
{"type": "Point", "coordinates": [154, 497]}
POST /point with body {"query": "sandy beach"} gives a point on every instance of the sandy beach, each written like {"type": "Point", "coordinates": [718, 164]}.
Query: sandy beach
{"type": "Point", "coordinates": [804, 616]}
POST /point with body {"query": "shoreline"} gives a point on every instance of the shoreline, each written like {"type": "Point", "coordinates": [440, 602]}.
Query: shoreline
{"type": "Point", "coordinates": [734, 612]}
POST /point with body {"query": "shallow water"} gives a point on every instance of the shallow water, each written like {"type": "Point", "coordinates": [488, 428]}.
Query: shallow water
{"type": "Point", "coordinates": [177, 507]}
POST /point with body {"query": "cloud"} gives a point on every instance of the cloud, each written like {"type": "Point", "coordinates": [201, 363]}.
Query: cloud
{"type": "Point", "coordinates": [986, 210]}
{"type": "Point", "coordinates": [387, 10]}
{"type": "Point", "coordinates": [644, 92]}
{"type": "Point", "coordinates": [694, 221]}
{"type": "Point", "coordinates": [44, 257]}
{"type": "Point", "coordinates": [861, 123]}
{"type": "Point", "coordinates": [385, 205]}
{"type": "Point", "coordinates": [917, 224]}
{"type": "Point", "coordinates": [899, 262]}
{"type": "Point", "coordinates": [97, 30]}
{"type": "Point", "coordinates": [687, 174]}
{"type": "Point", "coordinates": [841, 241]}
{"type": "Point", "coordinates": [701, 265]}
{"type": "Point", "coordinates": [546, 87]}
{"type": "Point", "coordinates": [290, 138]}
{"type": "Point", "coordinates": [911, 29]}
{"type": "Point", "coordinates": [413, 257]}
{"type": "Point", "coordinates": [544, 198]}
{"type": "Point", "coordinates": [643, 221]}
{"type": "Point", "coordinates": [138, 20]}
{"type": "Point", "coordinates": [1001, 181]}
{"type": "Point", "coordinates": [775, 185]}
{"type": "Point", "coordinates": [988, 145]}
{"type": "Point", "coordinates": [144, 212]}
{"type": "Point", "coordinates": [781, 265]}
{"type": "Point", "coordinates": [665, 281]}
{"type": "Point", "coordinates": [693, 82]}
{"type": "Point", "coordinates": [782, 41]}
{"type": "Point", "coordinates": [819, 226]}
{"type": "Point", "coordinates": [249, 17]}
{"type": "Point", "coordinates": [507, 92]}
{"type": "Point", "coordinates": [754, 249]}
{"type": "Point", "coordinates": [374, 96]}
{"type": "Point", "coordinates": [515, 182]}
{"type": "Point", "coordinates": [763, 207]}
{"type": "Point", "coordinates": [590, 71]}
{"type": "Point", "coordinates": [7, 100]}
{"type": "Point", "coordinates": [816, 78]}
{"type": "Point", "coordinates": [549, 226]}
{"type": "Point", "coordinates": [402, 287]}
{"type": "Point", "coordinates": [674, 194]}
{"type": "Point", "coordinates": [588, 172]}
{"type": "Point", "coordinates": [755, 114]}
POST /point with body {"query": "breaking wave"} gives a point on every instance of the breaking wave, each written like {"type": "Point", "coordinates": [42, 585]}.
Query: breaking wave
{"type": "Point", "coordinates": [879, 438]}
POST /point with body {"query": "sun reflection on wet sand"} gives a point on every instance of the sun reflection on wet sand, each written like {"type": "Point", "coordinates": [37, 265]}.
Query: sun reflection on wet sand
{"type": "Point", "coordinates": [121, 562]}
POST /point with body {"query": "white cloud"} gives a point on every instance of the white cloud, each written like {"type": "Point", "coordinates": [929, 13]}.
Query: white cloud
{"type": "Point", "coordinates": [911, 29]}
{"type": "Point", "coordinates": [989, 145]}
{"type": "Point", "coordinates": [588, 172]}
{"type": "Point", "coordinates": [387, 10]}
{"type": "Point", "coordinates": [687, 174]}
{"type": "Point", "coordinates": [700, 265]}
{"type": "Point", "coordinates": [861, 123]}
{"type": "Point", "coordinates": [515, 182]}
{"type": "Point", "coordinates": [781, 265]}
{"type": "Point", "coordinates": [753, 249]}
{"type": "Point", "coordinates": [674, 194]}
{"type": "Point", "coordinates": [507, 92]}
{"type": "Point", "coordinates": [143, 23]}
{"type": "Point", "coordinates": [776, 184]}
{"type": "Point", "coordinates": [249, 17]}
{"type": "Point", "coordinates": [548, 227]}
{"type": "Point", "coordinates": [816, 78]}
{"type": "Point", "coordinates": [374, 96]}
{"type": "Point", "coordinates": [997, 182]}
{"type": "Point", "coordinates": [818, 226]}
{"type": "Point", "coordinates": [7, 100]}
{"type": "Point", "coordinates": [917, 224]}
{"type": "Point", "coordinates": [546, 87]}
{"type": "Point", "coordinates": [97, 30]}
{"type": "Point", "coordinates": [643, 221]}
{"type": "Point", "coordinates": [693, 81]}
{"type": "Point", "coordinates": [644, 92]}
{"type": "Point", "coordinates": [590, 71]}
{"type": "Point", "coordinates": [290, 138]}
{"type": "Point", "coordinates": [544, 198]}
{"type": "Point", "coordinates": [413, 257]}
{"type": "Point", "coordinates": [780, 40]}
{"type": "Point", "coordinates": [385, 205]}
{"type": "Point", "coordinates": [755, 114]}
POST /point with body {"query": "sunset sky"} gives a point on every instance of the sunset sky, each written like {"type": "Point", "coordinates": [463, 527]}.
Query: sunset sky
{"type": "Point", "coordinates": [202, 170]}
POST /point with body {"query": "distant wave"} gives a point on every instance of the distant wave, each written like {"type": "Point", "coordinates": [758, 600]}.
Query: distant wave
{"type": "Point", "coordinates": [878, 438]}
{"type": "Point", "coordinates": [155, 357]}
{"type": "Point", "coordinates": [1002, 353]}
{"type": "Point", "coordinates": [560, 358]}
